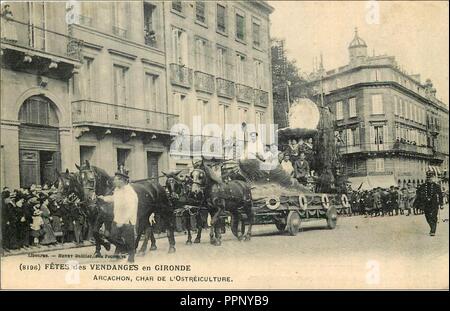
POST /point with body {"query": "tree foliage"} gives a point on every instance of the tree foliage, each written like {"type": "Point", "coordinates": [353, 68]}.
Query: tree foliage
{"type": "Point", "coordinates": [284, 70]}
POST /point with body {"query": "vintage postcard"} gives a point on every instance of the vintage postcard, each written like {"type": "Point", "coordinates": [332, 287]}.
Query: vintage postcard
{"type": "Point", "coordinates": [224, 145]}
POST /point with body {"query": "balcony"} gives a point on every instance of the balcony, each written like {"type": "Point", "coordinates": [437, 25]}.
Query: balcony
{"type": "Point", "coordinates": [261, 98]}
{"type": "Point", "coordinates": [150, 37]}
{"type": "Point", "coordinates": [349, 149]}
{"type": "Point", "coordinates": [181, 75]}
{"type": "Point", "coordinates": [204, 82]}
{"type": "Point", "coordinates": [413, 148]}
{"type": "Point", "coordinates": [26, 47]}
{"type": "Point", "coordinates": [433, 129]}
{"type": "Point", "coordinates": [88, 112]}
{"type": "Point", "coordinates": [225, 88]}
{"type": "Point", "coordinates": [244, 93]}
{"type": "Point", "coordinates": [120, 32]}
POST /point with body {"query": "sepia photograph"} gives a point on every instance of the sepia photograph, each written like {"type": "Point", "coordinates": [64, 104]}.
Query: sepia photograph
{"type": "Point", "coordinates": [224, 145]}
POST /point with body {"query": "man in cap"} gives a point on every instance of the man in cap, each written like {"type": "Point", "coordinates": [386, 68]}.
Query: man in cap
{"type": "Point", "coordinates": [429, 198]}
{"type": "Point", "coordinates": [125, 204]}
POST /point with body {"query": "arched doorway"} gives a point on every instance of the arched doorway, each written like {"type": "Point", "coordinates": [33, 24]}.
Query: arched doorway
{"type": "Point", "coordinates": [39, 150]}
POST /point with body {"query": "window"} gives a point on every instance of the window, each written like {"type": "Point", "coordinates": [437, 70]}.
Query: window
{"type": "Point", "coordinates": [400, 107]}
{"type": "Point", "coordinates": [355, 166]}
{"type": "Point", "coordinates": [256, 31]}
{"type": "Point", "coordinates": [259, 121]}
{"type": "Point", "coordinates": [339, 111]}
{"type": "Point", "coordinates": [123, 158]}
{"type": "Point", "coordinates": [240, 68]}
{"type": "Point", "coordinates": [182, 108]}
{"type": "Point", "coordinates": [396, 105]}
{"type": "Point", "coordinates": [240, 27]}
{"type": "Point", "coordinates": [355, 134]}
{"type": "Point", "coordinates": [200, 8]}
{"type": "Point", "coordinates": [415, 113]}
{"type": "Point", "coordinates": [379, 165]}
{"type": "Point", "coordinates": [352, 107]}
{"type": "Point", "coordinates": [152, 91]}
{"type": "Point", "coordinates": [221, 56]}
{"type": "Point", "coordinates": [350, 137]}
{"type": "Point", "coordinates": [180, 47]}
{"type": "Point", "coordinates": [377, 104]}
{"type": "Point", "coordinates": [177, 6]}
{"type": "Point", "coordinates": [120, 18]}
{"type": "Point", "coordinates": [376, 75]}
{"type": "Point", "coordinates": [120, 85]}
{"type": "Point", "coordinates": [259, 74]}
{"type": "Point", "coordinates": [223, 116]}
{"type": "Point", "coordinates": [205, 108]}
{"type": "Point", "coordinates": [200, 55]}
{"type": "Point", "coordinates": [149, 24]}
{"type": "Point", "coordinates": [88, 74]}
{"type": "Point", "coordinates": [38, 110]}
{"type": "Point", "coordinates": [378, 136]}
{"type": "Point", "coordinates": [221, 18]}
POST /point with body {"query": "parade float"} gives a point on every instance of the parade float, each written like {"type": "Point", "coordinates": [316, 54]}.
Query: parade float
{"type": "Point", "coordinates": [279, 198]}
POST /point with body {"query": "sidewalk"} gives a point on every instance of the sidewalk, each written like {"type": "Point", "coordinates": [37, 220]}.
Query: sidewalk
{"type": "Point", "coordinates": [62, 246]}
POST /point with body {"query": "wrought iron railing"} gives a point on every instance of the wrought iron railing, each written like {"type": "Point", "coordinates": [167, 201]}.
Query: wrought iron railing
{"type": "Point", "coordinates": [88, 112]}
{"type": "Point", "coordinates": [204, 82]}
{"type": "Point", "coordinates": [33, 37]}
{"type": "Point", "coordinates": [225, 88]}
{"type": "Point", "coordinates": [180, 75]}
{"type": "Point", "coordinates": [413, 148]}
{"type": "Point", "coordinates": [150, 37]}
{"type": "Point", "coordinates": [261, 98]}
{"type": "Point", "coordinates": [244, 93]}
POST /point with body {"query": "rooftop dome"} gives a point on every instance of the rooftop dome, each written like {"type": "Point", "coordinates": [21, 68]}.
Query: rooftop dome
{"type": "Point", "coordinates": [357, 41]}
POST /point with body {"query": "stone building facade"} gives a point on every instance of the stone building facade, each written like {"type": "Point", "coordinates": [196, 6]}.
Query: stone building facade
{"type": "Point", "coordinates": [389, 125]}
{"type": "Point", "coordinates": [107, 81]}
{"type": "Point", "coordinates": [218, 60]}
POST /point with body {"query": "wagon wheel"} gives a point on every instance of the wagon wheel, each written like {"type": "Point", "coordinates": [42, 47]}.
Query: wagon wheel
{"type": "Point", "coordinates": [331, 221]}
{"type": "Point", "coordinates": [293, 223]}
{"type": "Point", "coordinates": [280, 226]}
{"type": "Point", "coordinates": [237, 224]}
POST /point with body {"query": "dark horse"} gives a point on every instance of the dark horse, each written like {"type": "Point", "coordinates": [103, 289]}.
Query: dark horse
{"type": "Point", "coordinates": [69, 183]}
{"type": "Point", "coordinates": [233, 196]}
{"type": "Point", "coordinates": [152, 199]}
{"type": "Point", "coordinates": [192, 208]}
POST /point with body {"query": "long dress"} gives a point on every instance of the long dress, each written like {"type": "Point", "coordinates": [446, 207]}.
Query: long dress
{"type": "Point", "coordinates": [49, 236]}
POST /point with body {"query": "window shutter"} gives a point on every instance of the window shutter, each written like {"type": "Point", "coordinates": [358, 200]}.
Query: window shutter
{"type": "Point", "coordinates": [395, 106]}
{"type": "Point", "coordinates": [349, 137]}
{"type": "Point", "coordinates": [385, 137]}
{"type": "Point", "coordinates": [184, 48]}
{"type": "Point", "coordinates": [357, 139]}
{"type": "Point", "coordinates": [372, 138]}
{"type": "Point", "coordinates": [175, 43]}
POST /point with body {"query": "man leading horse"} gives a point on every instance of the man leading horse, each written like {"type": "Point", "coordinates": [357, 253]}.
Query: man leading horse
{"type": "Point", "coordinates": [125, 207]}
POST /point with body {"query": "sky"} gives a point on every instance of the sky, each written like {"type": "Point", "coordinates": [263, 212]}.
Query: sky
{"type": "Point", "coordinates": [415, 32]}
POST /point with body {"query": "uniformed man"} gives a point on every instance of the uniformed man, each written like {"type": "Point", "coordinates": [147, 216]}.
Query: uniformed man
{"type": "Point", "coordinates": [429, 198]}
{"type": "Point", "coordinates": [125, 204]}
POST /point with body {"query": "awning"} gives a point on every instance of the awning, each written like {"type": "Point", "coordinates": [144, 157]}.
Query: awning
{"type": "Point", "coordinates": [371, 182]}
